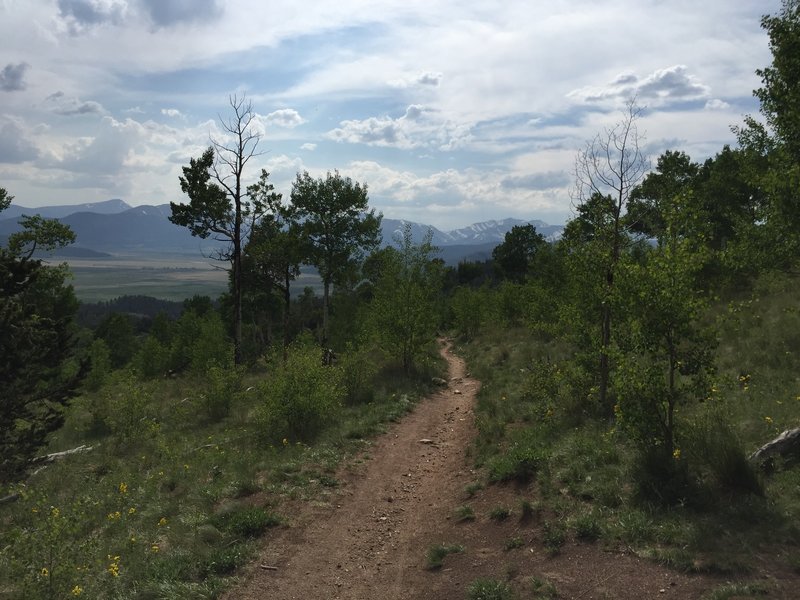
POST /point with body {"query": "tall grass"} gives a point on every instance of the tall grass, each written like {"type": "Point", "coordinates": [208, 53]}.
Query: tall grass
{"type": "Point", "coordinates": [181, 479]}
{"type": "Point", "coordinates": [536, 423]}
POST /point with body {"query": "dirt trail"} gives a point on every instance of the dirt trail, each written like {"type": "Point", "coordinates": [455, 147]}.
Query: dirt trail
{"type": "Point", "coordinates": [371, 541]}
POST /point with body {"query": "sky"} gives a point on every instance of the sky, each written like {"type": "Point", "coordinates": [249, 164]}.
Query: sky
{"type": "Point", "coordinates": [451, 111]}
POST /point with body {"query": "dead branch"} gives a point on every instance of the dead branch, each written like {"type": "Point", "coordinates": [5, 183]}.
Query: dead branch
{"type": "Point", "coordinates": [49, 458]}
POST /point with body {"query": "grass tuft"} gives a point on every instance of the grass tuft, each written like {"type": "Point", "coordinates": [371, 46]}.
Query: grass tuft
{"type": "Point", "coordinates": [436, 554]}
{"type": "Point", "coordinates": [490, 589]}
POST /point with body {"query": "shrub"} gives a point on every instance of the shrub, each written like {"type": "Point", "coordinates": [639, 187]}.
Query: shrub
{"type": "Point", "coordinates": [358, 367]}
{"type": "Point", "coordinates": [714, 446]}
{"type": "Point", "coordinates": [464, 513]}
{"type": "Point", "coordinates": [499, 513]}
{"type": "Point", "coordinates": [126, 409]}
{"type": "Point", "coordinates": [301, 397]}
{"type": "Point", "coordinates": [490, 589]}
{"type": "Point", "coordinates": [587, 527]}
{"type": "Point", "coordinates": [436, 554]}
{"type": "Point", "coordinates": [153, 358]}
{"type": "Point", "coordinates": [553, 537]}
{"type": "Point", "coordinates": [522, 459]}
{"type": "Point", "coordinates": [222, 386]}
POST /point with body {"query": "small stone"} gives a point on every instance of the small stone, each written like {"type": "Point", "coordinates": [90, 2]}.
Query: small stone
{"type": "Point", "coordinates": [425, 441]}
{"type": "Point", "coordinates": [457, 391]}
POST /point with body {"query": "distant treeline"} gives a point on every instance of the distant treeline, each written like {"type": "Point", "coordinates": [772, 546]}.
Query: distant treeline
{"type": "Point", "coordinates": [91, 314]}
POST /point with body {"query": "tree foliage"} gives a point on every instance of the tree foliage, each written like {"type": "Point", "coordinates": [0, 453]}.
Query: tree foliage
{"type": "Point", "coordinates": [515, 256]}
{"type": "Point", "coordinates": [39, 370]}
{"type": "Point", "coordinates": [404, 308]}
{"type": "Point", "coordinates": [218, 205]}
{"type": "Point", "coordinates": [338, 227]}
{"type": "Point", "coordinates": [606, 171]}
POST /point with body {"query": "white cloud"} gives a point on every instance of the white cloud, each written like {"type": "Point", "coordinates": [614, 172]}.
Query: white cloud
{"type": "Point", "coordinates": [663, 85]}
{"type": "Point", "coordinates": [285, 117]}
{"type": "Point", "coordinates": [61, 104]}
{"type": "Point", "coordinates": [471, 194]}
{"type": "Point", "coordinates": [172, 112]}
{"type": "Point", "coordinates": [418, 127]}
{"type": "Point", "coordinates": [308, 146]}
{"type": "Point", "coordinates": [81, 15]}
{"type": "Point", "coordinates": [717, 104]}
{"type": "Point", "coordinates": [430, 78]}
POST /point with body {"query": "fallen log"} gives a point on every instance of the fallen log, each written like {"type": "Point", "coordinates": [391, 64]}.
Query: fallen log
{"type": "Point", "coordinates": [48, 458]}
{"type": "Point", "coordinates": [786, 443]}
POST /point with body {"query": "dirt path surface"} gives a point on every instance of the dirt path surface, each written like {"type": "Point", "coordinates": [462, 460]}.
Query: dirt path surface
{"type": "Point", "coordinates": [371, 541]}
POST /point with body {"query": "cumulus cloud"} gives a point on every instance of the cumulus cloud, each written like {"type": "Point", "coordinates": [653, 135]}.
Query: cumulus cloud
{"type": "Point", "coordinates": [474, 193]}
{"type": "Point", "coordinates": [171, 112]}
{"type": "Point", "coordinates": [429, 78]}
{"type": "Point", "coordinates": [417, 128]}
{"type": "Point", "coordinates": [61, 104]}
{"type": "Point", "coordinates": [80, 15]}
{"type": "Point", "coordinates": [308, 146]}
{"type": "Point", "coordinates": [167, 13]}
{"type": "Point", "coordinates": [669, 84]}
{"type": "Point", "coordinates": [105, 155]}
{"type": "Point", "coordinates": [15, 147]}
{"type": "Point", "coordinates": [717, 104]}
{"type": "Point", "coordinates": [12, 77]}
{"type": "Point", "coordinates": [285, 117]}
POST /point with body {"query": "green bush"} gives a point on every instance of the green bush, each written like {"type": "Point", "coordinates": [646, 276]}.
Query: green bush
{"type": "Point", "coordinates": [554, 536]}
{"type": "Point", "coordinates": [522, 459]}
{"type": "Point", "coordinates": [436, 554]}
{"type": "Point", "coordinates": [301, 397]}
{"type": "Point", "coordinates": [490, 589]}
{"type": "Point", "coordinates": [358, 367]}
{"type": "Point", "coordinates": [223, 385]}
{"type": "Point", "coordinates": [100, 360]}
{"type": "Point", "coordinates": [152, 359]}
{"type": "Point", "coordinates": [126, 409]}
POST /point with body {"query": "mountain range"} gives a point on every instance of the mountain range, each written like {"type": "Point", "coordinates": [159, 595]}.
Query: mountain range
{"type": "Point", "coordinates": [117, 228]}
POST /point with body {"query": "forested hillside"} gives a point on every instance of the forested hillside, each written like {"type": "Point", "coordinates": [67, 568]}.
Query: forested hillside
{"type": "Point", "coordinates": [629, 370]}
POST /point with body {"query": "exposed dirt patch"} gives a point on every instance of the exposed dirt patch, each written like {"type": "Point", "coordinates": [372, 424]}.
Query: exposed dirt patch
{"type": "Point", "coordinates": [371, 540]}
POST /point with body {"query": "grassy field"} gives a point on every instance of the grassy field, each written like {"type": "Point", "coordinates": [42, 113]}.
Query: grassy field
{"type": "Point", "coordinates": [532, 426]}
{"type": "Point", "coordinates": [171, 499]}
{"type": "Point", "coordinates": [168, 277]}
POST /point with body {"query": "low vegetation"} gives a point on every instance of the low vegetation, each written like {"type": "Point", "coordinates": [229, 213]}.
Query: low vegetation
{"type": "Point", "coordinates": [628, 371]}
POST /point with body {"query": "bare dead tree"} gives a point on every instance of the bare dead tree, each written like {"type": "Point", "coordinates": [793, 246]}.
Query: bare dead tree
{"type": "Point", "coordinates": [218, 198]}
{"type": "Point", "coordinates": [610, 166]}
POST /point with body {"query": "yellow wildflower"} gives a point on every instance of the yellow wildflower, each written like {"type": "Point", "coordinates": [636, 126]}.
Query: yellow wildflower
{"type": "Point", "coordinates": [768, 420]}
{"type": "Point", "coordinates": [77, 590]}
{"type": "Point", "coordinates": [54, 512]}
{"type": "Point", "coordinates": [676, 454]}
{"type": "Point", "coordinates": [154, 548]}
{"type": "Point", "coordinates": [285, 442]}
{"type": "Point", "coordinates": [162, 521]}
{"type": "Point", "coordinates": [44, 572]}
{"type": "Point", "coordinates": [123, 488]}
{"type": "Point", "coordinates": [131, 510]}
